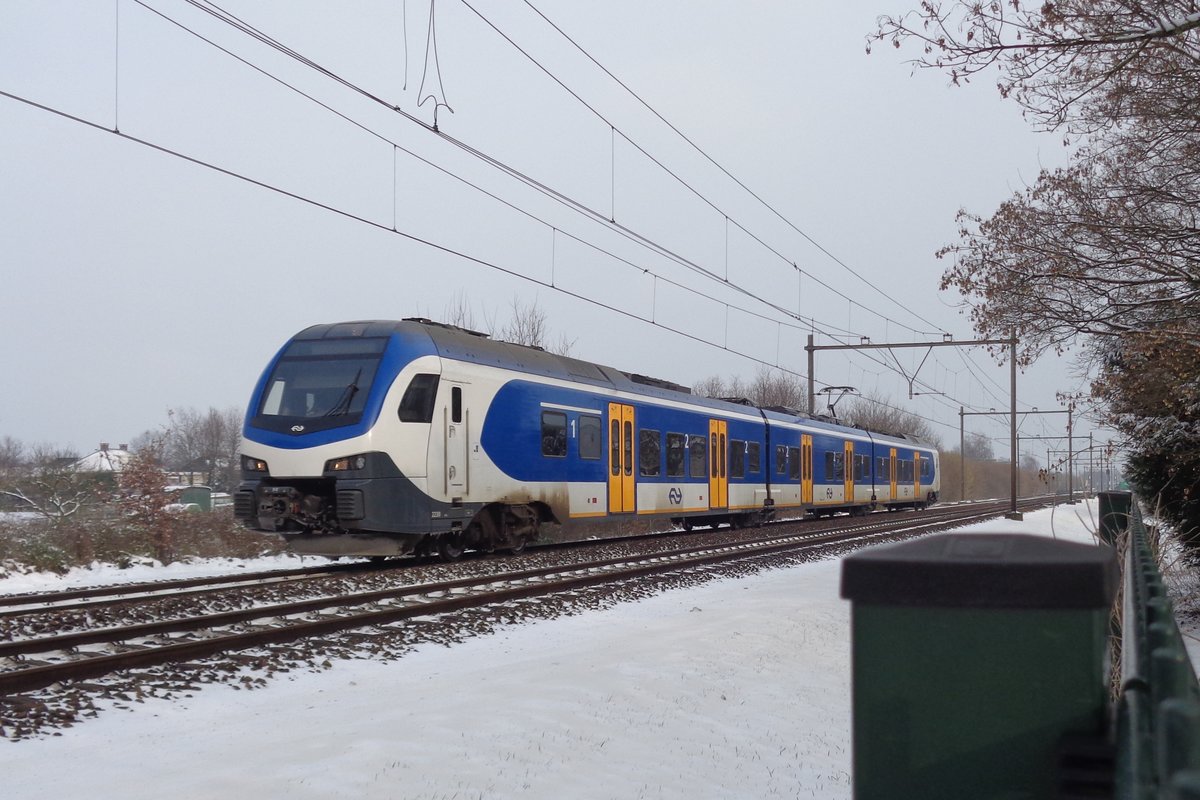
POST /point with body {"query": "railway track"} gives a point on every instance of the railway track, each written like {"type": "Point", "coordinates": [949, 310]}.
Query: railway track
{"type": "Point", "coordinates": [17, 605]}
{"type": "Point", "coordinates": [29, 664]}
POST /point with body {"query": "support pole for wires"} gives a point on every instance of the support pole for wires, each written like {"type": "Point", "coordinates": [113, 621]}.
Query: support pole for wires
{"type": "Point", "coordinates": [962, 456]}
{"type": "Point", "coordinates": [1012, 360]}
{"type": "Point", "coordinates": [116, 66]}
{"type": "Point", "coordinates": [1011, 342]}
{"type": "Point", "coordinates": [612, 176]}
{"type": "Point", "coordinates": [1069, 410]}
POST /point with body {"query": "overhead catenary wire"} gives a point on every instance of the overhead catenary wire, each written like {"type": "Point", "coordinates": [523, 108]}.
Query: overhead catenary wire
{"type": "Point", "coordinates": [825, 329]}
{"type": "Point", "coordinates": [571, 202]}
{"type": "Point", "coordinates": [723, 170]}
{"type": "Point", "coordinates": [591, 213]}
{"type": "Point", "coordinates": [411, 237]}
{"type": "Point", "coordinates": [686, 184]}
{"type": "Point", "coordinates": [513, 172]}
{"type": "Point", "coordinates": [374, 224]}
{"type": "Point", "coordinates": [213, 9]}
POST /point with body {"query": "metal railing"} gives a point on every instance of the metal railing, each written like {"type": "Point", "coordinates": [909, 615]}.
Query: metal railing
{"type": "Point", "coordinates": [1158, 707]}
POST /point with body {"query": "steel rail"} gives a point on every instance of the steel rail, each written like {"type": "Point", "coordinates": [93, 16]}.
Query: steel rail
{"type": "Point", "coordinates": [28, 604]}
{"type": "Point", "coordinates": [43, 675]}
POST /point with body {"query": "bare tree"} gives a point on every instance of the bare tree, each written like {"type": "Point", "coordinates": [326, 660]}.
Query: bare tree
{"type": "Point", "coordinates": [529, 325]}
{"type": "Point", "coordinates": [874, 412]}
{"type": "Point", "coordinates": [774, 387]}
{"type": "Point", "coordinates": [201, 441]}
{"type": "Point", "coordinates": [50, 486]}
{"type": "Point", "coordinates": [12, 456]}
{"type": "Point", "coordinates": [979, 447]}
{"type": "Point", "coordinates": [768, 388]}
{"type": "Point", "coordinates": [1106, 248]}
{"type": "Point", "coordinates": [1104, 253]}
{"type": "Point", "coordinates": [721, 387]}
{"type": "Point", "coordinates": [1076, 63]}
{"type": "Point", "coordinates": [461, 314]}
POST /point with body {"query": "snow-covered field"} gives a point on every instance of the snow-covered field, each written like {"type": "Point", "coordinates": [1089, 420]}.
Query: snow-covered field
{"type": "Point", "coordinates": [738, 688]}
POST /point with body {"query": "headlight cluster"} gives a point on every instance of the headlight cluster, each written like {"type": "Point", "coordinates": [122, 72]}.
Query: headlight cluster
{"type": "Point", "coordinates": [346, 464]}
{"type": "Point", "coordinates": [253, 464]}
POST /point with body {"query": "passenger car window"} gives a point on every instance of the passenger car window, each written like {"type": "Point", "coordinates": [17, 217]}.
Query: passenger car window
{"type": "Point", "coordinates": [554, 433]}
{"type": "Point", "coordinates": [589, 437]}
{"type": "Point", "coordinates": [794, 463]}
{"type": "Point", "coordinates": [649, 452]}
{"type": "Point", "coordinates": [862, 468]}
{"type": "Point", "coordinates": [628, 448]}
{"type": "Point", "coordinates": [780, 459]}
{"type": "Point", "coordinates": [737, 458]}
{"type": "Point", "coordinates": [698, 455]}
{"type": "Point", "coordinates": [614, 446]}
{"type": "Point", "coordinates": [753, 458]}
{"type": "Point", "coordinates": [835, 466]}
{"type": "Point", "coordinates": [675, 457]}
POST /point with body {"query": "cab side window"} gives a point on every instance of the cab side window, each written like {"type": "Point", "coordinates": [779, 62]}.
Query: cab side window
{"type": "Point", "coordinates": [417, 403]}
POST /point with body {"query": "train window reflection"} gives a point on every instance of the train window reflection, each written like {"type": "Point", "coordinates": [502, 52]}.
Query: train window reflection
{"type": "Point", "coordinates": [649, 452]}
{"type": "Point", "coordinates": [698, 456]}
{"type": "Point", "coordinates": [417, 403]}
{"type": "Point", "coordinates": [675, 454]}
{"type": "Point", "coordinates": [589, 437]}
{"type": "Point", "coordinates": [737, 459]}
{"type": "Point", "coordinates": [554, 433]}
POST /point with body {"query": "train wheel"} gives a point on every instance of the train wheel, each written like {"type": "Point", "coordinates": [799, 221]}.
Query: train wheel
{"type": "Point", "coordinates": [450, 548]}
{"type": "Point", "coordinates": [687, 525]}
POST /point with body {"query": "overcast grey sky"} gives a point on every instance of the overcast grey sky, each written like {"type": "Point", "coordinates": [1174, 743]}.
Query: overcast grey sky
{"type": "Point", "coordinates": [136, 281]}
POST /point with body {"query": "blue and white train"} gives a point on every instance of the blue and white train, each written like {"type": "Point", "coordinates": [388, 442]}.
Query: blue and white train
{"type": "Point", "coordinates": [383, 438]}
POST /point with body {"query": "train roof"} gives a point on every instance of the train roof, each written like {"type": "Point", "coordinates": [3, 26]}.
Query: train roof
{"type": "Point", "coordinates": [479, 348]}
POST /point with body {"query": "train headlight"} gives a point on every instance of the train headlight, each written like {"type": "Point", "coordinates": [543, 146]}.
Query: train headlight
{"type": "Point", "coordinates": [253, 464]}
{"type": "Point", "coordinates": [346, 464]}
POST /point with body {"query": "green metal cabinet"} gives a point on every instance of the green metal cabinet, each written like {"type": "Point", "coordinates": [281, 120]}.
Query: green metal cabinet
{"type": "Point", "coordinates": [975, 656]}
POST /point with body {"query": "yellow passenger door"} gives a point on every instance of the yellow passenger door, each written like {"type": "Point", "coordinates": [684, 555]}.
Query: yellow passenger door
{"type": "Point", "coordinates": [718, 477]}
{"type": "Point", "coordinates": [621, 493]}
{"type": "Point", "coordinates": [806, 469]}
{"type": "Point", "coordinates": [848, 475]}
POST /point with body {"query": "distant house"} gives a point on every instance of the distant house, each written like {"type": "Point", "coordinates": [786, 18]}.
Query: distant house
{"type": "Point", "coordinates": [106, 459]}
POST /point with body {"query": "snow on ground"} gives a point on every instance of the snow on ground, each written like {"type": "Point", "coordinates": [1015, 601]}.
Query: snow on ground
{"type": "Point", "coordinates": [738, 688]}
{"type": "Point", "coordinates": [99, 574]}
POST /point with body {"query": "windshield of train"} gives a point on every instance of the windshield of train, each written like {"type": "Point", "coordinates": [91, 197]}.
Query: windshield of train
{"type": "Point", "coordinates": [324, 382]}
